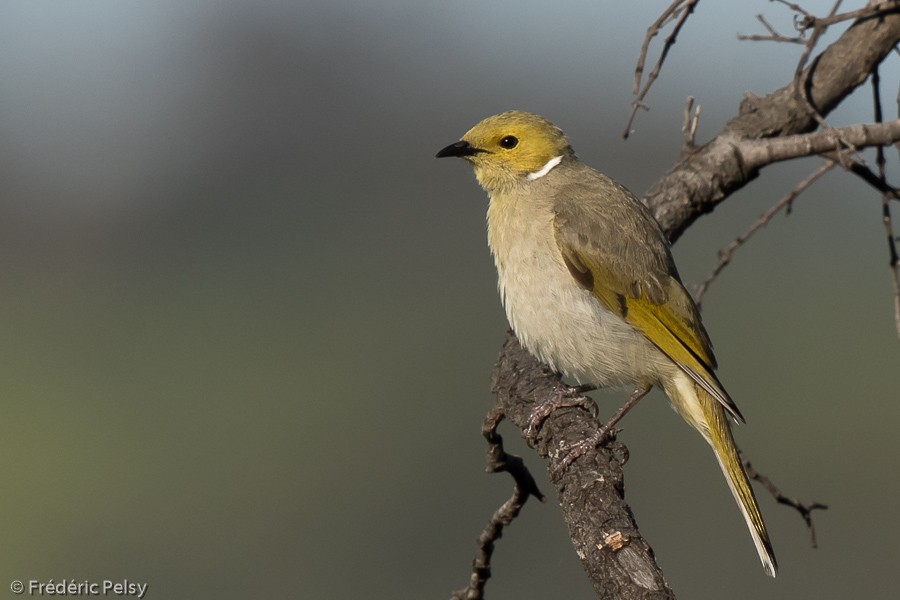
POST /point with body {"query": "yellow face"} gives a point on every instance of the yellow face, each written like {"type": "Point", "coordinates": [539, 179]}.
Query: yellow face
{"type": "Point", "coordinates": [507, 147]}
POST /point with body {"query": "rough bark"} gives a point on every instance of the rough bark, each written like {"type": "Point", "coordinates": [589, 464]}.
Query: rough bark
{"type": "Point", "coordinates": [591, 492]}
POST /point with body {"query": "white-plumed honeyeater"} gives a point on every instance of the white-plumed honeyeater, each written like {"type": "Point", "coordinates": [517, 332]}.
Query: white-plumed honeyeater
{"type": "Point", "coordinates": [590, 287]}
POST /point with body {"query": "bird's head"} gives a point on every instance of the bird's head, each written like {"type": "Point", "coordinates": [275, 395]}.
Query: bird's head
{"type": "Point", "coordinates": [511, 148]}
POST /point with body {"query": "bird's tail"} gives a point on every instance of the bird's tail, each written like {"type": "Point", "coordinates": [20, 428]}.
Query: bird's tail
{"type": "Point", "coordinates": [704, 412]}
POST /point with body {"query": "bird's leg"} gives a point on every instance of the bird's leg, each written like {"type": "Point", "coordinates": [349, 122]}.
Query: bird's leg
{"type": "Point", "coordinates": [578, 449]}
{"type": "Point", "coordinates": [565, 397]}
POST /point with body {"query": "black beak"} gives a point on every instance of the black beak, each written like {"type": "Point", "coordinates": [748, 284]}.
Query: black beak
{"type": "Point", "coordinates": [459, 149]}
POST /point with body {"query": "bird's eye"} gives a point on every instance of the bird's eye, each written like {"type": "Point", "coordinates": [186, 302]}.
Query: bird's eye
{"type": "Point", "coordinates": [509, 142]}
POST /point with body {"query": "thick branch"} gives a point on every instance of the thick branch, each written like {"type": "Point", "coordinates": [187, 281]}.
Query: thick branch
{"type": "Point", "coordinates": [756, 154]}
{"type": "Point", "coordinates": [705, 177]}
{"type": "Point", "coordinates": [591, 491]}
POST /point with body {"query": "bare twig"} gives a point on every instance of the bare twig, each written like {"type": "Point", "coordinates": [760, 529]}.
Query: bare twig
{"type": "Point", "coordinates": [525, 486]}
{"type": "Point", "coordinates": [885, 202]}
{"type": "Point", "coordinates": [804, 20]}
{"type": "Point", "coordinates": [680, 10]}
{"type": "Point", "coordinates": [784, 203]}
{"type": "Point", "coordinates": [830, 143]}
{"type": "Point", "coordinates": [773, 36]}
{"type": "Point", "coordinates": [805, 510]}
{"type": "Point", "coordinates": [691, 121]}
{"type": "Point", "coordinates": [796, 8]}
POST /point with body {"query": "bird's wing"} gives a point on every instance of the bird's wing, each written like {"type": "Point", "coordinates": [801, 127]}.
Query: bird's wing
{"type": "Point", "coordinates": [616, 250]}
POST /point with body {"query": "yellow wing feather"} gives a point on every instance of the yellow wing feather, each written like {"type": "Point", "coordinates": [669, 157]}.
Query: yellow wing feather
{"type": "Point", "coordinates": [647, 293]}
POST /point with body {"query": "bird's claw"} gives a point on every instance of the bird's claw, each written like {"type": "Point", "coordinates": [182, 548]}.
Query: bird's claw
{"type": "Point", "coordinates": [573, 452]}
{"type": "Point", "coordinates": [564, 397]}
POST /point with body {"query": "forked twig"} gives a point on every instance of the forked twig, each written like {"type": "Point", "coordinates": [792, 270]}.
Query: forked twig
{"type": "Point", "coordinates": [805, 510]}
{"type": "Point", "coordinates": [774, 35]}
{"type": "Point", "coordinates": [679, 11]}
{"type": "Point", "coordinates": [525, 486]}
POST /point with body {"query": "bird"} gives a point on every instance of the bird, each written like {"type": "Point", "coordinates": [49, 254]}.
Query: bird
{"type": "Point", "coordinates": [590, 288]}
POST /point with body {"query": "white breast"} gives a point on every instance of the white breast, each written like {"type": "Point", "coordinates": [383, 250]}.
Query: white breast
{"type": "Point", "coordinates": [555, 318]}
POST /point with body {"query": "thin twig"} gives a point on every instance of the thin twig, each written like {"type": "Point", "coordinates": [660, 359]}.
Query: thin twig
{"type": "Point", "coordinates": [691, 121]}
{"type": "Point", "coordinates": [680, 10]}
{"type": "Point", "coordinates": [525, 486]}
{"type": "Point", "coordinates": [805, 510]}
{"type": "Point", "coordinates": [784, 203]}
{"type": "Point", "coordinates": [774, 35]}
{"type": "Point", "coordinates": [796, 8]}
{"type": "Point", "coordinates": [885, 202]}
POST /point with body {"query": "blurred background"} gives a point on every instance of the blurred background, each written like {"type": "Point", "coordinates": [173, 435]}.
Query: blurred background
{"type": "Point", "coordinates": [248, 322]}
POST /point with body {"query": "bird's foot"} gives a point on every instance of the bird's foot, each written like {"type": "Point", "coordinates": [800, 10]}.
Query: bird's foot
{"type": "Point", "coordinates": [579, 449]}
{"type": "Point", "coordinates": [565, 397]}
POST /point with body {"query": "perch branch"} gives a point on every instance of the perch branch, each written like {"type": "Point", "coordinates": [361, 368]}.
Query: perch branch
{"type": "Point", "coordinates": [590, 493]}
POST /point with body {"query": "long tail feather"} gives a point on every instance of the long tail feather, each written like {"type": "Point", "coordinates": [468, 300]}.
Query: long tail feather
{"type": "Point", "coordinates": [705, 414]}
